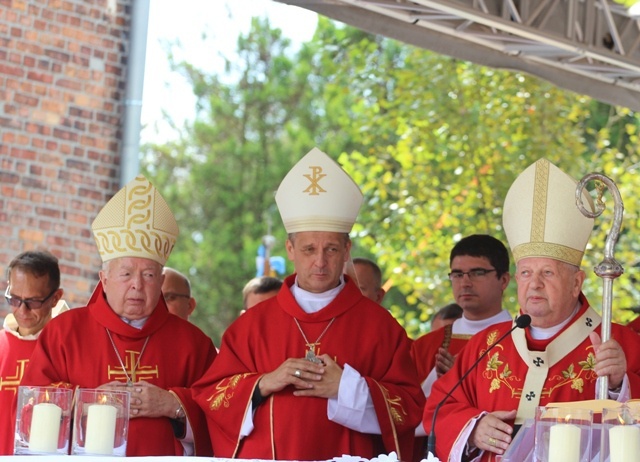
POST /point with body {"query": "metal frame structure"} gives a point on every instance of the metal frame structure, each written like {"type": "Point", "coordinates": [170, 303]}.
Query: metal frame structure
{"type": "Point", "coordinates": [591, 47]}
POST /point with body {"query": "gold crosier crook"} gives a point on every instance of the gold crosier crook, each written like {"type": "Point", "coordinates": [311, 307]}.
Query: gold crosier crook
{"type": "Point", "coordinates": [608, 269]}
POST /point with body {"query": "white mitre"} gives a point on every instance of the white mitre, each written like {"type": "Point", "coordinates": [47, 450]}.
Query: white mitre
{"type": "Point", "coordinates": [541, 218]}
{"type": "Point", "coordinates": [317, 195]}
{"type": "Point", "coordinates": [136, 222]}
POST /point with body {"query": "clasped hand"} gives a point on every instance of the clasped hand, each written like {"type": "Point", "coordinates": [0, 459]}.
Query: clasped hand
{"type": "Point", "coordinates": [147, 400]}
{"type": "Point", "coordinates": [308, 378]}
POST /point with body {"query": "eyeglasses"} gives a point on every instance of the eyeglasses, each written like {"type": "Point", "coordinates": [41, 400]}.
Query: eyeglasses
{"type": "Point", "coordinates": [170, 296]}
{"type": "Point", "coordinates": [474, 274]}
{"type": "Point", "coordinates": [30, 303]}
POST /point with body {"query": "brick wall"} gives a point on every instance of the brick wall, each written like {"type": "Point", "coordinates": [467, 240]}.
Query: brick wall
{"type": "Point", "coordinates": [62, 72]}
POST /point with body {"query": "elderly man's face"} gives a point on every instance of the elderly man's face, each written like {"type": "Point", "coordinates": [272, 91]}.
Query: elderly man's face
{"type": "Point", "coordinates": [132, 286]}
{"type": "Point", "coordinates": [318, 257]}
{"type": "Point", "coordinates": [548, 289]}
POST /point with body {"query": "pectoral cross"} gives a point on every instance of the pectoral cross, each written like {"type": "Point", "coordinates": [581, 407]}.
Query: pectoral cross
{"type": "Point", "coordinates": [311, 355]}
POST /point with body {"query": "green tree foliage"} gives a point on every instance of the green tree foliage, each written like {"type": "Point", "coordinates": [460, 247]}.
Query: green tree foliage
{"type": "Point", "coordinates": [222, 172]}
{"type": "Point", "coordinates": [433, 142]}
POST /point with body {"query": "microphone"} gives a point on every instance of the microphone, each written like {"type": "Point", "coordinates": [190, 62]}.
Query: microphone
{"type": "Point", "coordinates": [522, 322]}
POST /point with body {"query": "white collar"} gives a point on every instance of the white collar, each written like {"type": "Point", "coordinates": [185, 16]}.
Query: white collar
{"type": "Point", "coordinates": [137, 323]}
{"type": "Point", "coordinates": [467, 326]}
{"type": "Point", "coordinates": [543, 333]}
{"type": "Point", "coordinates": [311, 302]}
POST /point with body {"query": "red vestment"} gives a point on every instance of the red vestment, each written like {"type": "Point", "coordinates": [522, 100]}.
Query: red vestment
{"type": "Point", "coordinates": [74, 350]}
{"type": "Point", "coordinates": [14, 356]}
{"type": "Point", "coordinates": [363, 335]}
{"type": "Point", "coordinates": [424, 349]}
{"type": "Point", "coordinates": [635, 325]}
{"type": "Point", "coordinates": [498, 382]}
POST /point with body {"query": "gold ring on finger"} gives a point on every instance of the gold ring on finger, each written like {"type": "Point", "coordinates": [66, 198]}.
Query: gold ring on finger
{"type": "Point", "coordinates": [493, 442]}
{"type": "Point", "coordinates": [297, 373]}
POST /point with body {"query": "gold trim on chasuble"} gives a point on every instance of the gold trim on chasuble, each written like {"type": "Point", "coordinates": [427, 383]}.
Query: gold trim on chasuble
{"type": "Point", "coordinates": [539, 363]}
{"type": "Point", "coordinates": [223, 394]}
{"type": "Point", "coordinates": [12, 382]}
{"type": "Point", "coordinates": [395, 412]}
{"type": "Point", "coordinates": [131, 369]}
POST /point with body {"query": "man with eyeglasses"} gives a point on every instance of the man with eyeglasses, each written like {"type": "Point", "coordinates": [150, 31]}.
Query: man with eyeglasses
{"type": "Point", "coordinates": [176, 289]}
{"type": "Point", "coordinates": [34, 295]}
{"type": "Point", "coordinates": [559, 356]}
{"type": "Point", "coordinates": [479, 275]}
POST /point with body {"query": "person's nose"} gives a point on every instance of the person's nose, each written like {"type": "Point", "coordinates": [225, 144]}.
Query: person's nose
{"type": "Point", "coordinates": [321, 260]}
{"type": "Point", "coordinates": [536, 281]}
{"type": "Point", "coordinates": [466, 280]}
{"type": "Point", "coordinates": [136, 281]}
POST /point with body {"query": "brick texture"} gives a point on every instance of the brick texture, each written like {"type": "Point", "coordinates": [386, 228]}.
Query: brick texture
{"type": "Point", "coordinates": [62, 82]}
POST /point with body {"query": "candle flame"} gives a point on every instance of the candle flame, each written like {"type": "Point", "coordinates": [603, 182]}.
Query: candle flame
{"type": "Point", "coordinates": [103, 399]}
{"type": "Point", "coordinates": [46, 396]}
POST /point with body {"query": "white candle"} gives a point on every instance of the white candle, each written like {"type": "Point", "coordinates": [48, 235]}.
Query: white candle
{"type": "Point", "coordinates": [624, 443]}
{"type": "Point", "coordinates": [45, 427]}
{"type": "Point", "coordinates": [564, 443]}
{"type": "Point", "coordinates": [101, 429]}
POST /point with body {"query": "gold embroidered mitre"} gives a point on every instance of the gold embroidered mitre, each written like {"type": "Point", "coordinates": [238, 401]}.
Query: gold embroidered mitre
{"type": "Point", "coordinates": [541, 218]}
{"type": "Point", "coordinates": [136, 222]}
{"type": "Point", "coordinates": [317, 195]}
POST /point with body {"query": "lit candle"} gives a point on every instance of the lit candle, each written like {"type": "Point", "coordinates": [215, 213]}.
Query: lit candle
{"type": "Point", "coordinates": [101, 429]}
{"type": "Point", "coordinates": [624, 443]}
{"type": "Point", "coordinates": [564, 443]}
{"type": "Point", "coordinates": [45, 427]}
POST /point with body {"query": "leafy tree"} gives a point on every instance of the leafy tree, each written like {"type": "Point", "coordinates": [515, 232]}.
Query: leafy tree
{"type": "Point", "coordinates": [433, 142]}
{"type": "Point", "coordinates": [220, 175]}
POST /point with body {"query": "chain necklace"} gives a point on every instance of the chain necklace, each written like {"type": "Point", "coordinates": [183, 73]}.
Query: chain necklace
{"type": "Point", "coordinates": [124, 369]}
{"type": "Point", "coordinates": [311, 355]}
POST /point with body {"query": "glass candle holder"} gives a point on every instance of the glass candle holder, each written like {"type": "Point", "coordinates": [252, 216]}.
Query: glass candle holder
{"type": "Point", "coordinates": [562, 434]}
{"type": "Point", "coordinates": [43, 420]}
{"type": "Point", "coordinates": [621, 433]}
{"type": "Point", "coordinates": [101, 422]}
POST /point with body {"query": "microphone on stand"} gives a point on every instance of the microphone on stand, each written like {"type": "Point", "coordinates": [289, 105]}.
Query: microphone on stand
{"type": "Point", "coordinates": [522, 322]}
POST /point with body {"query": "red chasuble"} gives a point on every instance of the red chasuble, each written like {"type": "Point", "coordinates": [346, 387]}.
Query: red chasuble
{"type": "Point", "coordinates": [521, 373]}
{"type": "Point", "coordinates": [14, 356]}
{"type": "Point", "coordinates": [363, 335]}
{"type": "Point", "coordinates": [424, 350]}
{"type": "Point", "coordinates": [74, 350]}
{"type": "Point", "coordinates": [635, 325]}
